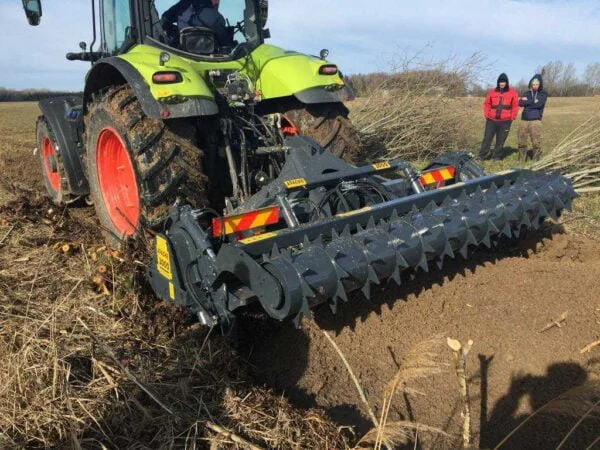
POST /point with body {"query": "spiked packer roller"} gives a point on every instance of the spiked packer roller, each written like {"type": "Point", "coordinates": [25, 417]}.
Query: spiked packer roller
{"type": "Point", "coordinates": [324, 229]}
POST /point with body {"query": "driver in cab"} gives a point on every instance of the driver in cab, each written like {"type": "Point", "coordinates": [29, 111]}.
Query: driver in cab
{"type": "Point", "coordinates": [198, 13]}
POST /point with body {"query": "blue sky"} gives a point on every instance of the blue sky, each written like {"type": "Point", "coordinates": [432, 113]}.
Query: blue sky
{"type": "Point", "coordinates": [516, 36]}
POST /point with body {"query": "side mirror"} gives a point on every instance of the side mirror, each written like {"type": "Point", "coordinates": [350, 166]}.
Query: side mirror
{"type": "Point", "coordinates": [263, 12]}
{"type": "Point", "coordinates": [33, 11]}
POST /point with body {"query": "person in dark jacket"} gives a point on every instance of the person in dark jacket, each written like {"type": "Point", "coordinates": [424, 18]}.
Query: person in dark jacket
{"type": "Point", "coordinates": [197, 13]}
{"type": "Point", "coordinates": [500, 108]}
{"type": "Point", "coordinates": [533, 103]}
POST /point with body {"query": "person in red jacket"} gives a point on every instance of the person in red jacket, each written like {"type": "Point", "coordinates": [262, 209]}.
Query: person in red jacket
{"type": "Point", "coordinates": [500, 108]}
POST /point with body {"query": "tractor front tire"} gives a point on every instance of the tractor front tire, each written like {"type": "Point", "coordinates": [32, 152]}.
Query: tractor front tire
{"type": "Point", "coordinates": [329, 125]}
{"type": "Point", "coordinates": [137, 167]}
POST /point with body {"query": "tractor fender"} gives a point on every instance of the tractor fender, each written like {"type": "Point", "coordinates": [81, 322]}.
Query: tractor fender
{"type": "Point", "coordinates": [114, 71]}
{"type": "Point", "coordinates": [65, 118]}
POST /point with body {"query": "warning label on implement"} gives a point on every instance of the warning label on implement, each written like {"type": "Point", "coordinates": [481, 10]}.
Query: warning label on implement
{"type": "Point", "coordinates": [163, 258]}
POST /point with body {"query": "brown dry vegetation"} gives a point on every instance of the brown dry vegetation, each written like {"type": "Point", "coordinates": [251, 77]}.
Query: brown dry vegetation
{"type": "Point", "coordinates": [89, 358]}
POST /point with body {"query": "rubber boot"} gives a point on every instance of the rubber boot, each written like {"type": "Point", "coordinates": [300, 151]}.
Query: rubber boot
{"type": "Point", "coordinates": [522, 154]}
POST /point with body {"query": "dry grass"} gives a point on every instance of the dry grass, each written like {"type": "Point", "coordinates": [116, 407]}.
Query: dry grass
{"type": "Point", "coordinates": [86, 364]}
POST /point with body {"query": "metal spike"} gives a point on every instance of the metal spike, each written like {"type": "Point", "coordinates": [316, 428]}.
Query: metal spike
{"type": "Point", "coordinates": [341, 273]}
{"type": "Point", "coordinates": [493, 228]}
{"type": "Point", "coordinates": [471, 238]}
{"type": "Point", "coordinates": [333, 305]}
{"type": "Point", "coordinates": [558, 203]}
{"type": "Point", "coordinates": [543, 211]}
{"type": "Point", "coordinates": [371, 223]}
{"type": "Point", "coordinates": [507, 231]}
{"type": "Point", "coordinates": [341, 292]}
{"type": "Point", "coordinates": [431, 206]}
{"type": "Point", "coordinates": [525, 220]}
{"type": "Point", "coordinates": [423, 263]}
{"type": "Point", "coordinates": [275, 251]}
{"type": "Point", "coordinates": [307, 291]}
{"type": "Point", "coordinates": [334, 234]}
{"type": "Point", "coordinates": [306, 241]}
{"type": "Point", "coordinates": [464, 251]}
{"type": "Point", "coordinates": [394, 216]}
{"type": "Point", "coordinates": [440, 262]}
{"type": "Point", "coordinates": [359, 228]}
{"type": "Point", "coordinates": [486, 241]}
{"type": "Point", "coordinates": [298, 320]}
{"type": "Point", "coordinates": [493, 188]}
{"type": "Point", "coordinates": [400, 261]}
{"type": "Point", "coordinates": [373, 275]}
{"type": "Point", "coordinates": [427, 248]}
{"type": "Point", "coordinates": [346, 232]}
{"type": "Point", "coordinates": [383, 225]}
{"type": "Point", "coordinates": [447, 201]}
{"type": "Point", "coordinates": [366, 290]}
{"type": "Point", "coordinates": [414, 209]}
{"type": "Point", "coordinates": [318, 241]}
{"type": "Point", "coordinates": [463, 197]}
{"type": "Point", "coordinates": [396, 276]}
{"type": "Point", "coordinates": [448, 250]}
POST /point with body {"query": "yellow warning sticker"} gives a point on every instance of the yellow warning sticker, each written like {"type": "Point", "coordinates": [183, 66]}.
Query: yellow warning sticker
{"type": "Point", "coordinates": [258, 238]}
{"type": "Point", "coordinates": [295, 183]}
{"type": "Point", "coordinates": [172, 291]}
{"type": "Point", "coordinates": [163, 258]}
{"type": "Point", "coordinates": [353, 213]}
{"type": "Point", "coordinates": [382, 165]}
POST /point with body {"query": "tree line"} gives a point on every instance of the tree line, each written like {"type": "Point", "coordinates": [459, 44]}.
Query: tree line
{"type": "Point", "coordinates": [29, 95]}
{"type": "Point", "coordinates": [560, 80]}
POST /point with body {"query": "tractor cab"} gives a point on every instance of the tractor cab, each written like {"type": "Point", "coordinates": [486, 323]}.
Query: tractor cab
{"type": "Point", "coordinates": [197, 29]}
{"type": "Point", "coordinates": [209, 27]}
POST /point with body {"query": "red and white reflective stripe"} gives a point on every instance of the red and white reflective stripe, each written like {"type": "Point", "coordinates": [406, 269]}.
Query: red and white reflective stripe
{"type": "Point", "coordinates": [246, 221]}
{"type": "Point", "coordinates": [437, 176]}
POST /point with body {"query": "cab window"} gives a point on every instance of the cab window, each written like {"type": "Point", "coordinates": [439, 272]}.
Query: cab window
{"type": "Point", "coordinates": [116, 24]}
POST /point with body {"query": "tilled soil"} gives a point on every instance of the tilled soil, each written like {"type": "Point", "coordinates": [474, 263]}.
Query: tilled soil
{"type": "Point", "coordinates": [501, 300]}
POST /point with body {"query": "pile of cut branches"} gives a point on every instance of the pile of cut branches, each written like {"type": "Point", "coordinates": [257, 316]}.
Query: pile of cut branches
{"type": "Point", "coordinates": [577, 157]}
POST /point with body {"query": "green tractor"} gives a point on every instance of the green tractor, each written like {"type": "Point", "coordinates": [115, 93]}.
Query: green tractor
{"type": "Point", "coordinates": [160, 118]}
{"type": "Point", "coordinates": [237, 157]}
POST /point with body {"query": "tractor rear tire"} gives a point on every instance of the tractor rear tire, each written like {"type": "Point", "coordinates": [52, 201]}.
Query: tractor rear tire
{"type": "Point", "coordinates": [328, 124]}
{"type": "Point", "coordinates": [53, 172]}
{"type": "Point", "coordinates": [137, 167]}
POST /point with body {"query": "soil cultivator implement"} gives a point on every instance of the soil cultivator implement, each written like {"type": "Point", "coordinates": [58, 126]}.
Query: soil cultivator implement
{"type": "Point", "coordinates": [328, 229]}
